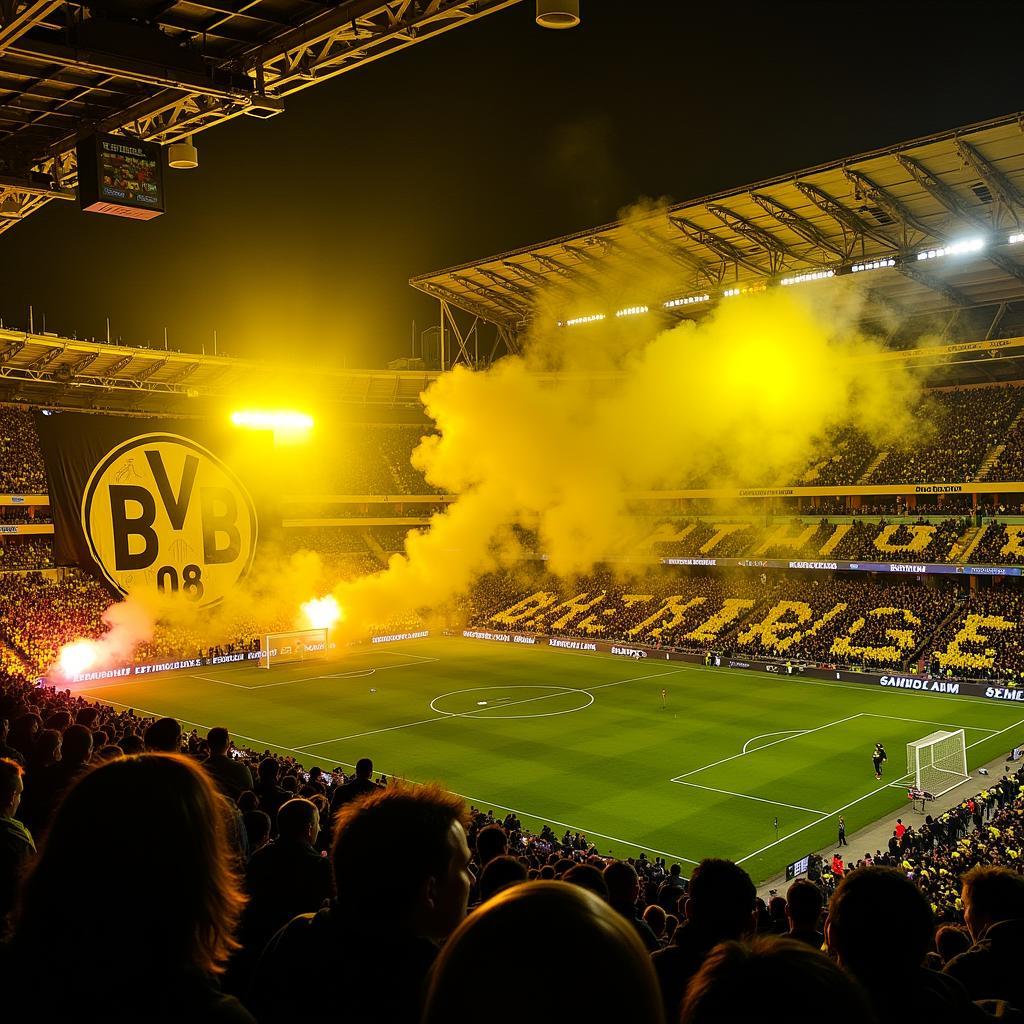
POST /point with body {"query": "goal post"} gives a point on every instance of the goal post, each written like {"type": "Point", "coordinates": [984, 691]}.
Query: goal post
{"type": "Point", "coordinates": [937, 763]}
{"type": "Point", "coordinates": [294, 645]}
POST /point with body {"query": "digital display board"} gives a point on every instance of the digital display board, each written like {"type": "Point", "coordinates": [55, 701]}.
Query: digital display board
{"type": "Point", "coordinates": [120, 176]}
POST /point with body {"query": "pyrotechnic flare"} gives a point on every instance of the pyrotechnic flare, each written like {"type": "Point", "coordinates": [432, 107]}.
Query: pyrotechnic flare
{"type": "Point", "coordinates": [320, 613]}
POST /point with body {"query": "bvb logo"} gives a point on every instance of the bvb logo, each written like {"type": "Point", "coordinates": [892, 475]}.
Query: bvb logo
{"type": "Point", "coordinates": [161, 512]}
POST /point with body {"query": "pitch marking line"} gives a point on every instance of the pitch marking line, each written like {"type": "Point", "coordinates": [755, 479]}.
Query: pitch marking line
{"type": "Point", "coordinates": [472, 799]}
{"type": "Point", "coordinates": [866, 796]}
{"type": "Point", "coordinates": [759, 799]}
{"type": "Point", "coordinates": [925, 721]}
{"type": "Point", "coordinates": [761, 736]}
{"type": "Point", "coordinates": [744, 753]}
{"type": "Point", "coordinates": [442, 716]}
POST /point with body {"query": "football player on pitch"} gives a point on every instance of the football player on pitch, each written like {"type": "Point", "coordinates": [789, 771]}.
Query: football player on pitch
{"type": "Point", "coordinates": [878, 758]}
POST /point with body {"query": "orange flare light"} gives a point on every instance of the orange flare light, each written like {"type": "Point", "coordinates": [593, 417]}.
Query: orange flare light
{"type": "Point", "coordinates": [78, 657]}
{"type": "Point", "coordinates": [321, 612]}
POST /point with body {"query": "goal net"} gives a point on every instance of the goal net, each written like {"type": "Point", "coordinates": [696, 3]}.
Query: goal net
{"type": "Point", "coordinates": [296, 645]}
{"type": "Point", "coordinates": [938, 762]}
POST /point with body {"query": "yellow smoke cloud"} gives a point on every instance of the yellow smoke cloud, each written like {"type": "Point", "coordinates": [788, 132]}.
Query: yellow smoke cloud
{"type": "Point", "coordinates": [744, 395]}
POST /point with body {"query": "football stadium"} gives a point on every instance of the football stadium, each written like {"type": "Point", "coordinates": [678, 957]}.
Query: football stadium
{"type": "Point", "coordinates": [644, 639]}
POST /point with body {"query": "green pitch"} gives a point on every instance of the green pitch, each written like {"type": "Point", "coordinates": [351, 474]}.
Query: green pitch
{"type": "Point", "coordinates": [581, 741]}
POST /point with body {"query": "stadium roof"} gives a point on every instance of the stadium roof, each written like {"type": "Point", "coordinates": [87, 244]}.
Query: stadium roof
{"type": "Point", "coordinates": [161, 70]}
{"type": "Point", "coordinates": [47, 370]}
{"type": "Point", "coordinates": [889, 216]}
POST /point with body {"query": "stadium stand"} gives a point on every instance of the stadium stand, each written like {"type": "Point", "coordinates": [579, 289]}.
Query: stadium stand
{"type": "Point", "coordinates": [201, 841]}
{"type": "Point", "coordinates": [21, 467]}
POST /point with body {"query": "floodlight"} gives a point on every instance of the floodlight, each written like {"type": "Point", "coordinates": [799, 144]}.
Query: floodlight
{"type": "Point", "coordinates": [558, 13]}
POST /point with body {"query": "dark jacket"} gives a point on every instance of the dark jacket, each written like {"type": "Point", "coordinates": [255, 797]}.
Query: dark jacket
{"type": "Point", "coordinates": [811, 937]}
{"type": "Point", "coordinates": [921, 997]}
{"type": "Point", "coordinates": [16, 847]}
{"type": "Point", "coordinates": [678, 962]}
{"type": "Point", "coordinates": [284, 879]}
{"type": "Point", "coordinates": [991, 968]}
{"type": "Point", "coordinates": [351, 791]}
{"type": "Point", "coordinates": [231, 776]}
{"type": "Point", "coordinates": [375, 973]}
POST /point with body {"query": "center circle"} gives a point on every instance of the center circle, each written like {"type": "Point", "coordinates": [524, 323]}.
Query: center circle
{"type": "Point", "coordinates": [488, 702]}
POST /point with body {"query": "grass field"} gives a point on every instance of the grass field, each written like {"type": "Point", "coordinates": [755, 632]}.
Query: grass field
{"type": "Point", "coordinates": [581, 740]}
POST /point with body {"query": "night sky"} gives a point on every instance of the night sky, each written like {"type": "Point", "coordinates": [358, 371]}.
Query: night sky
{"type": "Point", "coordinates": [298, 235]}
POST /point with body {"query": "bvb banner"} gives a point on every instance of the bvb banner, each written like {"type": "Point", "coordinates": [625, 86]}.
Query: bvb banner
{"type": "Point", "coordinates": [151, 505]}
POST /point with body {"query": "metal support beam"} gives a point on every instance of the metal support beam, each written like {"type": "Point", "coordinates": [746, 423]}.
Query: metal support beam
{"type": "Point", "coordinates": [858, 226]}
{"type": "Point", "coordinates": [1010, 198]}
{"type": "Point", "coordinates": [801, 226]}
{"type": "Point", "coordinates": [719, 246]}
{"type": "Point", "coordinates": [778, 252]}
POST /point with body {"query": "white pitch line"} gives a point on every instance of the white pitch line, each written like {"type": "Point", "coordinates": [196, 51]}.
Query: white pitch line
{"type": "Point", "coordinates": [732, 757]}
{"type": "Point", "coordinates": [747, 796]}
{"type": "Point", "coordinates": [473, 799]}
{"type": "Point", "coordinates": [866, 796]}
{"type": "Point", "coordinates": [762, 735]}
{"type": "Point", "coordinates": [476, 711]}
{"type": "Point", "coordinates": [925, 721]}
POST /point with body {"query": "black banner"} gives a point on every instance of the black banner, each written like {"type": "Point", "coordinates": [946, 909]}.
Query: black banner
{"type": "Point", "coordinates": [154, 505]}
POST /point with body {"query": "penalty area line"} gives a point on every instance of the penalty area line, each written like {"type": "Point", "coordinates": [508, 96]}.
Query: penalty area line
{"type": "Point", "coordinates": [866, 796]}
{"type": "Point", "coordinates": [748, 796]}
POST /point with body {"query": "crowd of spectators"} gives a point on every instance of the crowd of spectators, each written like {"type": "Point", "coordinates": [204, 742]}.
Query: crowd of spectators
{"type": "Point", "coordinates": [967, 424]}
{"type": "Point", "coordinates": [25, 551]}
{"type": "Point", "coordinates": [21, 465]}
{"type": "Point", "coordinates": [985, 641]}
{"type": "Point", "coordinates": [1000, 544]}
{"type": "Point", "coordinates": [244, 886]}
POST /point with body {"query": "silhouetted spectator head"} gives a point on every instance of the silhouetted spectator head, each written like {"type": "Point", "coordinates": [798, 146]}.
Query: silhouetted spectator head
{"type": "Point", "coordinates": [586, 876]}
{"type": "Point", "coordinates": [298, 820]}
{"type": "Point", "coordinates": [547, 873]}
{"type": "Point", "coordinates": [879, 923]}
{"type": "Point", "coordinates": [364, 768]}
{"type": "Point", "coordinates": [657, 920]}
{"type": "Point", "coordinates": [131, 744]}
{"type": "Point", "coordinates": [720, 899]}
{"type": "Point", "coordinates": [676, 870]}
{"type": "Point", "coordinates": [59, 720]}
{"type": "Point", "coordinates": [164, 736]}
{"type": "Point", "coordinates": [257, 828]}
{"type": "Point", "coordinates": [803, 905]}
{"type": "Point", "coordinates": [148, 833]}
{"type": "Point", "coordinates": [48, 746]}
{"type": "Point", "coordinates": [267, 771]}
{"type": "Point", "coordinates": [11, 786]}
{"type": "Point", "coordinates": [247, 801]}
{"type": "Point", "coordinates": [733, 980]}
{"type": "Point", "coordinates": [554, 946]}
{"type": "Point", "coordinates": [621, 879]}
{"type": "Point", "coordinates": [491, 842]}
{"type": "Point", "coordinates": [87, 717]}
{"type": "Point", "coordinates": [499, 873]}
{"type": "Point", "coordinates": [107, 753]}
{"type": "Point", "coordinates": [414, 836]}
{"type": "Point", "coordinates": [218, 740]}
{"type": "Point", "coordinates": [777, 910]}
{"type": "Point", "coordinates": [991, 894]}
{"type": "Point", "coordinates": [24, 731]}
{"type": "Point", "coordinates": [951, 940]}
{"type": "Point", "coordinates": [76, 746]}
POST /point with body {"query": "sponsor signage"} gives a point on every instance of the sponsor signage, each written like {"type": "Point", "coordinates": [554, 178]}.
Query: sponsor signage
{"type": "Point", "coordinates": [629, 652]}
{"type": "Point", "coordinates": [572, 645]}
{"type": "Point", "coordinates": [24, 499]}
{"type": "Point", "coordinates": [393, 637]}
{"type": "Point", "coordinates": [26, 528]}
{"type": "Point", "coordinates": [915, 568]}
{"type": "Point", "coordinates": [507, 638]}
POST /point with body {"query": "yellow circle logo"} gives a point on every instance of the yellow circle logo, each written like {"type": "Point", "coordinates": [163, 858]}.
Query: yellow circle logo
{"type": "Point", "coordinates": [161, 513]}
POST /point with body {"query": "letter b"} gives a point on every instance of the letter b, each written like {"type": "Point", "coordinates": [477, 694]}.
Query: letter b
{"type": "Point", "coordinates": [220, 518]}
{"type": "Point", "coordinates": [125, 527]}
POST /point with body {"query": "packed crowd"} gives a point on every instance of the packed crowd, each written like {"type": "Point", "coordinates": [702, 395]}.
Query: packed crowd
{"type": "Point", "coordinates": [821, 619]}
{"type": "Point", "coordinates": [1000, 544]}
{"type": "Point", "coordinates": [374, 459]}
{"type": "Point", "coordinates": [21, 459]}
{"type": "Point", "coordinates": [245, 887]}
{"type": "Point", "coordinates": [967, 424]}
{"type": "Point", "coordinates": [18, 551]}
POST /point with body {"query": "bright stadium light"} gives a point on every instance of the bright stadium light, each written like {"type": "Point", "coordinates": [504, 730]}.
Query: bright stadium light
{"type": "Point", "coordinates": [816, 275]}
{"type": "Point", "coordinates": [631, 311]}
{"type": "Point", "coordinates": [1016, 239]}
{"type": "Point", "coordinates": [881, 264]}
{"type": "Point", "coordinates": [593, 318]}
{"type": "Point", "coordinates": [688, 300]}
{"type": "Point", "coordinates": [280, 422]}
{"type": "Point", "coordinates": [960, 248]}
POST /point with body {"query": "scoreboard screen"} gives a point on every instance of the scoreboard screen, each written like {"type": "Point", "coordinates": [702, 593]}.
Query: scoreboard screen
{"type": "Point", "coordinates": [120, 176]}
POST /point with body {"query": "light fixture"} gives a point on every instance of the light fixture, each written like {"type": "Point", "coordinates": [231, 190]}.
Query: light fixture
{"type": "Point", "coordinates": [558, 13]}
{"type": "Point", "coordinates": [631, 311]}
{"type": "Point", "coordinates": [1016, 239]}
{"type": "Point", "coordinates": [593, 318]}
{"type": "Point", "coordinates": [965, 245]}
{"type": "Point", "coordinates": [859, 268]}
{"type": "Point", "coordinates": [815, 275]}
{"type": "Point", "coordinates": [688, 300]}
{"type": "Point", "coordinates": [183, 155]}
